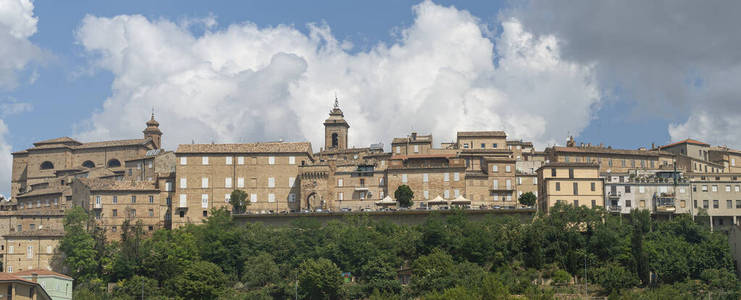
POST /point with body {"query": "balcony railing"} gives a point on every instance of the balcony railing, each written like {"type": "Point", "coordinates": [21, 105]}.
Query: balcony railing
{"type": "Point", "coordinates": [614, 208]}
{"type": "Point", "coordinates": [614, 194]}
{"type": "Point", "coordinates": [98, 205]}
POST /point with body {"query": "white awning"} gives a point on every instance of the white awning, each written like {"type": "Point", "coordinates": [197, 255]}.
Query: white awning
{"type": "Point", "coordinates": [386, 201]}
{"type": "Point", "coordinates": [437, 200]}
{"type": "Point", "coordinates": [460, 200]}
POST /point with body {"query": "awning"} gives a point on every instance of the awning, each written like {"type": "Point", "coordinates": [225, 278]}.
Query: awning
{"type": "Point", "coordinates": [386, 201]}
{"type": "Point", "coordinates": [460, 200]}
{"type": "Point", "coordinates": [437, 200]}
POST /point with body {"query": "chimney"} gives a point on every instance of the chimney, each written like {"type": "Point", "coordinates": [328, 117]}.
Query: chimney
{"type": "Point", "coordinates": [34, 277]}
{"type": "Point", "coordinates": [653, 146]}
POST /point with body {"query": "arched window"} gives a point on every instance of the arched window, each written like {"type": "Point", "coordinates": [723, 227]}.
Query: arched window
{"type": "Point", "coordinates": [114, 163]}
{"type": "Point", "coordinates": [47, 165]}
{"type": "Point", "coordinates": [335, 142]}
{"type": "Point", "coordinates": [88, 164]}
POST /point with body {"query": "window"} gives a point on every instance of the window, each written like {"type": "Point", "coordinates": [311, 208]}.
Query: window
{"type": "Point", "coordinates": [115, 212]}
{"type": "Point", "coordinates": [576, 202]}
{"type": "Point", "coordinates": [456, 176]}
{"type": "Point", "coordinates": [240, 160]}
{"type": "Point", "coordinates": [446, 194]}
{"type": "Point", "coordinates": [729, 203]}
{"type": "Point", "coordinates": [271, 197]}
{"type": "Point", "coordinates": [204, 200]}
{"type": "Point", "coordinates": [682, 190]}
{"type": "Point", "coordinates": [728, 188]}
{"type": "Point", "coordinates": [227, 197]}
{"type": "Point", "coordinates": [558, 186]}
{"type": "Point", "coordinates": [138, 166]}
{"type": "Point", "coordinates": [682, 203]}
{"type": "Point", "coordinates": [183, 161]}
{"type": "Point", "coordinates": [456, 193]}
{"type": "Point", "coordinates": [228, 182]}
{"type": "Point", "coordinates": [404, 178]}
{"type": "Point", "coordinates": [641, 189]}
{"type": "Point", "coordinates": [253, 198]}
{"type": "Point", "coordinates": [507, 168]}
{"type": "Point", "coordinates": [446, 177]}
{"type": "Point", "coordinates": [151, 199]}
{"type": "Point", "coordinates": [494, 145]}
{"type": "Point", "coordinates": [704, 188]}
{"type": "Point", "coordinates": [465, 146]}
{"type": "Point", "coordinates": [425, 177]}
{"type": "Point", "coordinates": [168, 186]}
{"type": "Point", "coordinates": [738, 203]}
{"type": "Point", "coordinates": [705, 204]}
{"type": "Point", "coordinates": [291, 160]}
{"type": "Point", "coordinates": [627, 189]}
{"type": "Point", "coordinates": [519, 180]}
{"type": "Point", "coordinates": [291, 198]}
{"type": "Point", "coordinates": [535, 180]}
{"type": "Point", "coordinates": [571, 173]}
{"type": "Point", "coordinates": [695, 203]}
{"type": "Point", "coordinates": [32, 226]}
{"type": "Point", "coordinates": [733, 162]}
{"type": "Point", "coordinates": [49, 249]}
{"type": "Point", "coordinates": [642, 203]}
{"type": "Point", "coordinates": [714, 188]}
{"type": "Point", "coordinates": [594, 203]}
{"type": "Point", "coordinates": [10, 250]}
{"type": "Point", "coordinates": [204, 182]}
{"type": "Point", "coordinates": [133, 199]}
{"type": "Point", "coordinates": [495, 168]}
{"type": "Point", "coordinates": [426, 194]}
{"type": "Point", "coordinates": [576, 188]}
{"type": "Point", "coordinates": [416, 148]}
{"type": "Point", "coordinates": [183, 183]}
{"type": "Point", "coordinates": [715, 204]}
{"type": "Point", "coordinates": [495, 184]}
{"type": "Point", "coordinates": [29, 252]}
{"type": "Point", "coordinates": [553, 172]}
{"type": "Point", "coordinates": [271, 160]}
{"type": "Point", "coordinates": [240, 182]}
{"type": "Point", "coordinates": [380, 181]}
{"type": "Point", "coordinates": [132, 213]}
{"type": "Point", "coordinates": [97, 200]}
{"type": "Point", "coordinates": [508, 183]}
{"type": "Point", "coordinates": [339, 182]}
{"type": "Point", "coordinates": [205, 213]}
{"type": "Point", "coordinates": [736, 188]}
{"type": "Point", "coordinates": [340, 196]}
{"type": "Point", "coordinates": [228, 160]}
{"type": "Point", "coordinates": [398, 149]}
{"type": "Point", "coordinates": [271, 182]}
{"type": "Point", "coordinates": [151, 212]}
{"type": "Point", "coordinates": [593, 187]}
{"type": "Point", "coordinates": [609, 162]}
{"type": "Point", "coordinates": [291, 181]}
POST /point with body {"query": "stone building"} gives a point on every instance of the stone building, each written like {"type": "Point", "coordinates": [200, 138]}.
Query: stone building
{"type": "Point", "coordinates": [28, 250]}
{"type": "Point", "coordinates": [206, 175]}
{"type": "Point", "coordinates": [570, 183]}
{"type": "Point", "coordinates": [653, 190]}
{"type": "Point", "coordinates": [19, 288]}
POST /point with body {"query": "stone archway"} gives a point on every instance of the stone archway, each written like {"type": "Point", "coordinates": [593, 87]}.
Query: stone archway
{"type": "Point", "coordinates": [311, 201]}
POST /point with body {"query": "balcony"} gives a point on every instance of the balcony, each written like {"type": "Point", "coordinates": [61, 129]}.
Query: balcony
{"type": "Point", "coordinates": [614, 208]}
{"type": "Point", "coordinates": [98, 205]}
{"type": "Point", "coordinates": [665, 204]}
{"type": "Point", "coordinates": [614, 195]}
{"type": "Point", "coordinates": [502, 189]}
{"type": "Point", "coordinates": [361, 188]}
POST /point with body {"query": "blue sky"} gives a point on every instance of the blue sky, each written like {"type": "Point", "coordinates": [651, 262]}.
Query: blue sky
{"type": "Point", "coordinates": [538, 70]}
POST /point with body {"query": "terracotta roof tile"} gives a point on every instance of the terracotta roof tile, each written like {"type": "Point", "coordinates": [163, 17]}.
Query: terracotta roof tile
{"type": "Point", "coordinates": [602, 150]}
{"type": "Point", "coordinates": [687, 141]}
{"type": "Point", "coordinates": [41, 272]}
{"type": "Point", "coordinates": [117, 185]}
{"type": "Point", "coordinates": [45, 191]}
{"type": "Point", "coordinates": [481, 134]}
{"type": "Point", "coordinates": [11, 277]}
{"type": "Point", "coordinates": [61, 140]}
{"type": "Point", "coordinates": [268, 147]}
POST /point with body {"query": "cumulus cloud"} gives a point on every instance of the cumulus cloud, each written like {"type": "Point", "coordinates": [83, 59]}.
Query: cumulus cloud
{"type": "Point", "coordinates": [677, 60]}
{"type": "Point", "coordinates": [17, 24]}
{"type": "Point", "coordinates": [247, 83]}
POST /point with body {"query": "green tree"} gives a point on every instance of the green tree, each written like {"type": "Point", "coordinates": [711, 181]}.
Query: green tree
{"type": "Point", "coordinates": [613, 278]}
{"type": "Point", "coordinates": [260, 271]}
{"type": "Point", "coordinates": [200, 280]}
{"type": "Point", "coordinates": [458, 293]}
{"type": "Point", "coordinates": [78, 246]}
{"type": "Point", "coordinates": [528, 199]}
{"type": "Point", "coordinates": [238, 200]}
{"type": "Point", "coordinates": [167, 253]}
{"type": "Point", "coordinates": [319, 279]}
{"type": "Point", "coordinates": [433, 272]}
{"type": "Point", "coordinates": [641, 221]}
{"type": "Point", "coordinates": [404, 195]}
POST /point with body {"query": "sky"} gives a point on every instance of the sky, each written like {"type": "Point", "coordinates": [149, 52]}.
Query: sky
{"type": "Point", "coordinates": [623, 73]}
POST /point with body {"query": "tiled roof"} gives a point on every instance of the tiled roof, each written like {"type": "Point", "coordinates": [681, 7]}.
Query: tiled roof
{"type": "Point", "coordinates": [45, 191]}
{"type": "Point", "coordinates": [41, 272]}
{"type": "Point", "coordinates": [421, 156]}
{"type": "Point", "coordinates": [268, 147]}
{"type": "Point", "coordinates": [11, 277]}
{"type": "Point", "coordinates": [482, 134]}
{"type": "Point", "coordinates": [72, 144]}
{"type": "Point", "coordinates": [687, 141]}
{"type": "Point", "coordinates": [570, 164]}
{"type": "Point", "coordinates": [602, 150]}
{"type": "Point", "coordinates": [34, 233]}
{"type": "Point", "coordinates": [61, 140]}
{"type": "Point", "coordinates": [526, 144]}
{"type": "Point", "coordinates": [117, 185]}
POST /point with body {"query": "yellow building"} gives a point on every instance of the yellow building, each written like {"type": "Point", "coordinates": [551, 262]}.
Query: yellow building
{"type": "Point", "coordinates": [570, 183]}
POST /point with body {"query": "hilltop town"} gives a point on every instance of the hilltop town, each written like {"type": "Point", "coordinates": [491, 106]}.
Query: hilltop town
{"type": "Point", "coordinates": [137, 180]}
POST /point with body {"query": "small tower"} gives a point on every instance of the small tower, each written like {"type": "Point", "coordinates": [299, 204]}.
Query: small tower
{"type": "Point", "coordinates": [335, 129]}
{"type": "Point", "coordinates": [153, 132]}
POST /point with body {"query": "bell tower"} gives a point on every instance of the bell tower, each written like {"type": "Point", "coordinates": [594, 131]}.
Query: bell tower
{"type": "Point", "coordinates": [335, 129]}
{"type": "Point", "coordinates": [153, 131]}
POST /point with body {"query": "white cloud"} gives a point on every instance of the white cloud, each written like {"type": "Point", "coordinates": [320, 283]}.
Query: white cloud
{"type": "Point", "coordinates": [12, 106]}
{"type": "Point", "coordinates": [17, 24]}
{"type": "Point", "coordinates": [676, 60]}
{"type": "Point", "coordinates": [245, 83]}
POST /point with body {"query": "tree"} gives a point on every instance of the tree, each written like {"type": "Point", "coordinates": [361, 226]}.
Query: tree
{"type": "Point", "coordinates": [404, 195]}
{"type": "Point", "coordinates": [319, 279]}
{"type": "Point", "coordinates": [78, 246]}
{"type": "Point", "coordinates": [528, 199]}
{"type": "Point", "coordinates": [238, 200]}
{"type": "Point", "coordinates": [260, 271]}
{"type": "Point", "coordinates": [200, 280]}
{"type": "Point", "coordinates": [641, 221]}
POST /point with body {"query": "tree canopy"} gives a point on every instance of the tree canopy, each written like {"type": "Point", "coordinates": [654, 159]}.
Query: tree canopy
{"type": "Point", "coordinates": [404, 195]}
